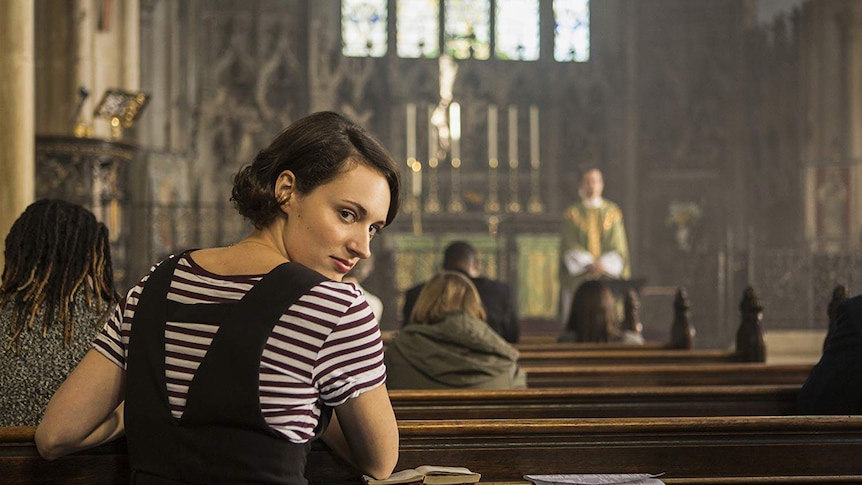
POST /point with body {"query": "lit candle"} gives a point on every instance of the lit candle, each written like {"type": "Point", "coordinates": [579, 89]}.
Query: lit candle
{"type": "Point", "coordinates": [455, 129]}
{"type": "Point", "coordinates": [492, 132]}
{"type": "Point", "coordinates": [513, 136]}
{"type": "Point", "coordinates": [411, 131]}
{"type": "Point", "coordinates": [534, 136]}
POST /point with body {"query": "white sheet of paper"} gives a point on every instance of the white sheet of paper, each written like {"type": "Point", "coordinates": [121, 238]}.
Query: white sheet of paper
{"type": "Point", "coordinates": [596, 479]}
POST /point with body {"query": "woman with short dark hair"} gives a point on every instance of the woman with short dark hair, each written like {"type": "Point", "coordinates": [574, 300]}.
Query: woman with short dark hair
{"type": "Point", "coordinates": [231, 360]}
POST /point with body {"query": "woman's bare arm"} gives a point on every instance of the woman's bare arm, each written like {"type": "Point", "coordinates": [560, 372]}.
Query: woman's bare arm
{"type": "Point", "coordinates": [86, 411]}
{"type": "Point", "coordinates": [363, 431]}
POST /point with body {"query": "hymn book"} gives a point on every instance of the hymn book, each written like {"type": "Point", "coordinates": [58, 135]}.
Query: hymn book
{"type": "Point", "coordinates": [428, 474]}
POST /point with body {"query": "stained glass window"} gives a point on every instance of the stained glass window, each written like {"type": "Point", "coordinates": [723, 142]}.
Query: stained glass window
{"type": "Point", "coordinates": [363, 28]}
{"type": "Point", "coordinates": [468, 29]}
{"type": "Point", "coordinates": [572, 30]}
{"type": "Point", "coordinates": [517, 30]}
{"type": "Point", "coordinates": [418, 28]}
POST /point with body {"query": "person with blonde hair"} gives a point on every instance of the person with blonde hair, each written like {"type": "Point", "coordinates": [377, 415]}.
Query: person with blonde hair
{"type": "Point", "coordinates": [448, 344]}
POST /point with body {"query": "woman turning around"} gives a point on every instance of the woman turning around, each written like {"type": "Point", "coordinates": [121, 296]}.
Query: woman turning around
{"type": "Point", "coordinates": [230, 360]}
{"type": "Point", "coordinates": [448, 343]}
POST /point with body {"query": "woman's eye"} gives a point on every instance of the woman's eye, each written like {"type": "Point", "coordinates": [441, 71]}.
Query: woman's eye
{"type": "Point", "coordinates": [373, 229]}
{"type": "Point", "coordinates": [348, 216]}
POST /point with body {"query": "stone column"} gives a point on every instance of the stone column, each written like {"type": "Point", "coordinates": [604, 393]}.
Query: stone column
{"type": "Point", "coordinates": [17, 105]}
{"type": "Point", "coordinates": [855, 121]}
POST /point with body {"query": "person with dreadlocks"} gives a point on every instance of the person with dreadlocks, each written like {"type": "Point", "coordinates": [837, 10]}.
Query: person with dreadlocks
{"type": "Point", "coordinates": [56, 293]}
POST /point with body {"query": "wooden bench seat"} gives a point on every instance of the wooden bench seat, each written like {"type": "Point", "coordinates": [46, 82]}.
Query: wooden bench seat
{"type": "Point", "coordinates": [740, 449]}
{"type": "Point", "coordinates": [595, 402]}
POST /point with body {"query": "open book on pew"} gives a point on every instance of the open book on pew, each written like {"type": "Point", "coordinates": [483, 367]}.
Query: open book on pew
{"type": "Point", "coordinates": [428, 474]}
{"type": "Point", "coordinates": [597, 479]}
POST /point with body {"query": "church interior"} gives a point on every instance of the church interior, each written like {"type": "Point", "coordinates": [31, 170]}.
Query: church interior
{"type": "Point", "coordinates": [729, 132]}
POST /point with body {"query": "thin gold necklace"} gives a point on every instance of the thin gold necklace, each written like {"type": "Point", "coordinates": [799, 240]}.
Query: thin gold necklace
{"type": "Point", "coordinates": [252, 241]}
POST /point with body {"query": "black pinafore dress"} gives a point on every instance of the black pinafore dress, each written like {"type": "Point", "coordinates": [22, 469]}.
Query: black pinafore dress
{"type": "Point", "coordinates": [222, 436]}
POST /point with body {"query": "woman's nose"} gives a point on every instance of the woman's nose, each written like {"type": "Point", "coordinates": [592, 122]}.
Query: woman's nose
{"type": "Point", "coordinates": [361, 246]}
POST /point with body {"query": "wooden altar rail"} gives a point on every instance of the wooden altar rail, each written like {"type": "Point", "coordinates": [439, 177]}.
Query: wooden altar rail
{"type": "Point", "coordinates": [766, 400]}
{"type": "Point", "coordinates": [704, 450]}
{"type": "Point", "coordinates": [746, 373]}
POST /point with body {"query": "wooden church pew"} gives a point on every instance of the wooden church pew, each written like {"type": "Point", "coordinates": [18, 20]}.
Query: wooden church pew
{"type": "Point", "coordinates": [740, 449]}
{"type": "Point", "coordinates": [595, 402]}
{"type": "Point", "coordinates": [732, 374]}
{"type": "Point", "coordinates": [559, 357]}
{"type": "Point", "coordinates": [750, 342]}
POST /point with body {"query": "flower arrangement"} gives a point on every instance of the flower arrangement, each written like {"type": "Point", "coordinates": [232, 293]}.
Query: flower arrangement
{"type": "Point", "coordinates": [683, 214]}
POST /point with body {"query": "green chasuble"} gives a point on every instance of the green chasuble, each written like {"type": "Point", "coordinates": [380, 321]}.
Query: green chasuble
{"type": "Point", "coordinates": [594, 230]}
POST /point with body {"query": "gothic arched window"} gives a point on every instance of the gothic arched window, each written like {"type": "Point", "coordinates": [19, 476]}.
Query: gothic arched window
{"type": "Point", "coordinates": [572, 30]}
{"type": "Point", "coordinates": [517, 30]}
{"type": "Point", "coordinates": [418, 27]}
{"type": "Point", "coordinates": [363, 28]}
{"type": "Point", "coordinates": [467, 29]}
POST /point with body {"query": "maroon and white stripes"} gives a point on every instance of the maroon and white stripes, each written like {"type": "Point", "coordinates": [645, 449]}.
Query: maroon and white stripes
{"type": "Point", "coordinates": [326, 346]}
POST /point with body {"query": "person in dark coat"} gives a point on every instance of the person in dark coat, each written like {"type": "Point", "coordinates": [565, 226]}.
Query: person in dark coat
{"type": "Point", "coordinates": [835, 383]}
{"type": "Point", "coordinates": [500, 303]}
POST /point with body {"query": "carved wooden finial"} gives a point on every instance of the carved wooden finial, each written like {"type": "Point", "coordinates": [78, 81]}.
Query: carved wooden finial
{"type": "Point", "coordinates": [750, 303]}
{"type": "Point", "coordinates": [682, 332]}
{"type": "Point", "coordinates": [750, 342]}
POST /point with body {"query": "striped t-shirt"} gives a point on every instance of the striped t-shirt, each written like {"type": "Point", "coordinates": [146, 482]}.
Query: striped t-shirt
{"type": "Point", "coordinates": [326, 347]}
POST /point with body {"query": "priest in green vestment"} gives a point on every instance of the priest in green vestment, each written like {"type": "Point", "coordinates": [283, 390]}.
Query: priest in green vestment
{"type": "Point", "coordinates": [593, 242]}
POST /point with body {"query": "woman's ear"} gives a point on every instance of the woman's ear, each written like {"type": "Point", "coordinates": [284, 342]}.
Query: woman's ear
{"type": "Point", "coordinates": [284, 188]}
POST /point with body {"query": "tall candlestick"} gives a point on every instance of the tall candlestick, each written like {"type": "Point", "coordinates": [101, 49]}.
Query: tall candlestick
{"type": "Point", "coordinates": [534, 136]}
{"type": "Point", "coordinates": [432, 135]}
{"type": "Point", "coordinates": [492, 132]}
{"type": "Point", "coordinates": [411, 131]}
{"type": "Point", "coordinates": [455, 130]}
{"type": "Point", "coordinates": [417, 178]}
{"type": "Point", "coordinates": [513, 136]}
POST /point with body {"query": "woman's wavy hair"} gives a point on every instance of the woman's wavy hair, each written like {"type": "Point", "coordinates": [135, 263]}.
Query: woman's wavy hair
{"type": "Point", "coordinates": [54, 250]}
{"type": "Point", "coordinates": [316, 148]}
{"type": "Point", "coordinates": [444, 293]}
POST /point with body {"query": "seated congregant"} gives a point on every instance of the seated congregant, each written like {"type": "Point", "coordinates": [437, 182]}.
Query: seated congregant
{"type": "Point", "coordinates": [57, 290]}
{"type": "Point", "coordinates": [592, 316]}
{"type": "Point", "coordinates": [834, 385]}
{"type": "Point", "coordinates": [498, 300]}
{"type": "Point", "coordinates": [448, 344]}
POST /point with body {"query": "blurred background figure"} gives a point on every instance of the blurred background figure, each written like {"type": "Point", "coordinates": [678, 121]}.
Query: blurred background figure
{"type": "Point", "coordinates": [57, 290]}
{"type": "Point", "coordinates": [594, 244]}
{"type": "Point", "coordinates": [448, 343]}
{"type": "Point", "coordinates": [592, 317]}
{"type": "Point", "coordinates": [357, 275]}
{"type": "Point", "coordinates": [834, 385]}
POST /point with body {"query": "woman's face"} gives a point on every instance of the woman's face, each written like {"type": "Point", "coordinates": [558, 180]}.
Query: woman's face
{"type": "Point", "coordinates": [330, 228]}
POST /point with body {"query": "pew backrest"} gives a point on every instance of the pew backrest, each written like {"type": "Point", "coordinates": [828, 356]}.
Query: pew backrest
{"type": "Point", "coordinates": [746, 373]}
{"type": "Point", "coordinates": [595, 402]}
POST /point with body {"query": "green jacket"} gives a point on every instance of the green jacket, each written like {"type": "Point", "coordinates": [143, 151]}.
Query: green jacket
{"type": "Point", "coordinates": [459, 352]}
